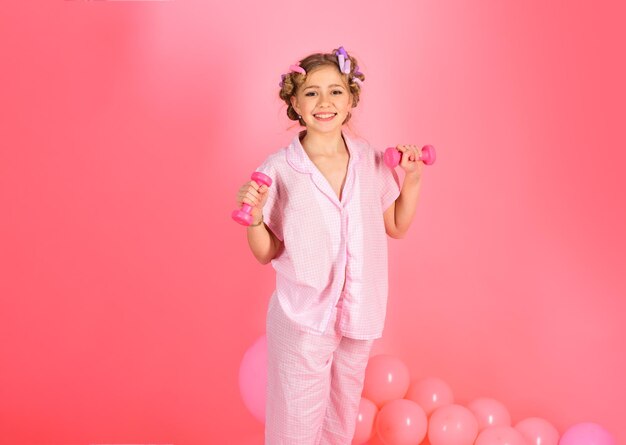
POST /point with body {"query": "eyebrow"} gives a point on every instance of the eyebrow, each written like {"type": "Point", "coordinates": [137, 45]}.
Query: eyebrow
{"type": "Point", "coordinates": [330, 86]}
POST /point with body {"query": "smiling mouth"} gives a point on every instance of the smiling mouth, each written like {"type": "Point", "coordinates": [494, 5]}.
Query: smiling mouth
{"type": "Point", "coordinates": [324, 116]}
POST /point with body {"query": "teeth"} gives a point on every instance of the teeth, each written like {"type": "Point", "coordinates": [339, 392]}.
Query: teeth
{"type": "Point", "coordinates": [324, 116]}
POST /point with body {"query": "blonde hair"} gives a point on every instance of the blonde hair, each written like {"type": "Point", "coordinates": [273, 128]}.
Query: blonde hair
{"type": "Point", "coordinates": [292, 81]}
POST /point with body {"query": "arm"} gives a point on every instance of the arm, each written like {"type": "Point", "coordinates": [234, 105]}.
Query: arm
{"type": "Point", "coordinates": [264, 244]}
{"type": "Point", "coordinates": [399, 215]}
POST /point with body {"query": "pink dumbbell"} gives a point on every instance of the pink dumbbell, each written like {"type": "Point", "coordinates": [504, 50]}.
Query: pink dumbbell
{"type": "Point", "coordinates": [393, 156]}
{"type": "Point", "coordinates": [243, 216]}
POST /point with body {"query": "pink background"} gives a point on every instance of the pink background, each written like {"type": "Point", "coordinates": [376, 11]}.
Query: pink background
{"type": "Point", "coordinates": [128, 296]}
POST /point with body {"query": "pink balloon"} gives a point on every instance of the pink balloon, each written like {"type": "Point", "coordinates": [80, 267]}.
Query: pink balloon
{"type": "Point", "coordinates": [401, 422]}
{"type": "Point", "coordinates": [375, 440]}
{"type": "Point", "coordinates": [365, 422]}
{"type": "Point", "coordinates": [500, 435]}
{"type": "Point", "coordinates": [430, 394]}
{"type": "Point", "coordinates": [587, 433]}
{"type": "Point", "coordinates": [452, 425]}
{"type": "Point", "coordinates": [538, 431]}
{"type": "Point", "coordinates": [489, 412]}
{"type": "Point", "coordinates": [386, 378]}
{"type": "Point", "coordinates": [253, 378]}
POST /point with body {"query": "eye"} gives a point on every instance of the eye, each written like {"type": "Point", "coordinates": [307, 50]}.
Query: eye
{"type": "Point", "coordinates": [337, 92]}
{"type": "Point", "coordinates": [310, 93]}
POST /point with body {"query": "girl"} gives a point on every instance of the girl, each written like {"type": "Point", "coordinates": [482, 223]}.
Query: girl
{"type": "Point", "coordinates": [323, 225]}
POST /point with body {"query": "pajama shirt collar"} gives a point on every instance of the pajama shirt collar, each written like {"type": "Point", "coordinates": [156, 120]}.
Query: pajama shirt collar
{"type": "Point", "coordinates": [300, 161]}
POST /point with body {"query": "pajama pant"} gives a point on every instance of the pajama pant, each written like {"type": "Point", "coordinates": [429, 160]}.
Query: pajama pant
{"type": "Point", "coordinates": [314, 382]}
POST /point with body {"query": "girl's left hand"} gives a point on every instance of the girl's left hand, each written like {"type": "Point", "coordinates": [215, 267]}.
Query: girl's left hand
{"type": "Point", "coordinates": [410, 161]}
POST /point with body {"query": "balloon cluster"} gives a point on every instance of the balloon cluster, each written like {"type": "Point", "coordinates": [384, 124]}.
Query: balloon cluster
{"type": "Point", "coordinates": [397, 411]}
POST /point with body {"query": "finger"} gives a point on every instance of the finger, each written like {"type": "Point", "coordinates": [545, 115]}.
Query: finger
{"type": "Point", "coordinates": [249, 202]}
{"type": "Point", "coordinates": [252, 199]}
{"type": "Point", "coordinates": [252, 190]}
{"type": "Point", "coordinates": [249, 192]}
{"type": "Point", "coordinates": [406, 154]}
{"type": "Point", "coordinates": [246, 188]}
{"type": "Point", "coordinates": [416, 153]}
{"type": "Point", "coordinates": [409, 150]}
{"type": "Point", "coordinates": [241, 194]}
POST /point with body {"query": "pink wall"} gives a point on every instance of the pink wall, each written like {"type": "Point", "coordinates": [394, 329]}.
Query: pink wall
{"type": "Point", "coordinates": [128, 296]}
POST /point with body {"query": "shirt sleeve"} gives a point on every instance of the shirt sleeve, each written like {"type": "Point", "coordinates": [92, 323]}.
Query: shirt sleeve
{"type": "Point", "coordinates": [272, 211]}
{"type": "Point", "coordinates": [388, 181]}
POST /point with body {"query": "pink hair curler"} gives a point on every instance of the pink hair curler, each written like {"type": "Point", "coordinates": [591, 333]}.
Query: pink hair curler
{"type": "Point", "coordinates": [243, 216]}
{"type": "Point", "coordinates": [393, 155]}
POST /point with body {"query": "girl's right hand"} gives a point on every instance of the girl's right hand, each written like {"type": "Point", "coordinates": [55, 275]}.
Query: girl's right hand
{"type": "Point", "coordinates": [253, 194]}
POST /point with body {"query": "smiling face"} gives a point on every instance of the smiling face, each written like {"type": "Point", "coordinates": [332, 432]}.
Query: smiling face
{"type": "Point", "coordinates": [323, 100]}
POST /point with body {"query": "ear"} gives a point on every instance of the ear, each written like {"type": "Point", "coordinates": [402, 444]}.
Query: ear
{"type": "Point", "coordinates": [294, 104]}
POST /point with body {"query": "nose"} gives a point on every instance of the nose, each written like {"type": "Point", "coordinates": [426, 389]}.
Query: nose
{"type": "Point", "coordinates": [324, 98]}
